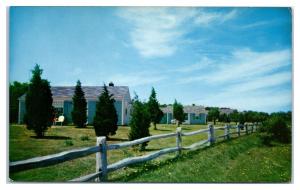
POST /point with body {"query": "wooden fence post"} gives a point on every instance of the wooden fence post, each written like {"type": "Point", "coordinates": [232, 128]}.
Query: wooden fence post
{"type": "Point", "coordinates": [227, 129]}
{"type": "Point", "coordinates": [211, 134]}
{"type": "Point", "coordinates": [101, 159]}
{"type": "Point", "coordinates": [178, 139]}
{"type": "Point", "coordinates": [246, 128]}
{"type": "Point", "coordinates": [252, 128]}
{"type": "Point", "coordinates": [238, 130]}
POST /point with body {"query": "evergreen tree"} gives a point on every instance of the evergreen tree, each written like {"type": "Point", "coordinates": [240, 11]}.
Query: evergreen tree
{"type": "Point", "coordinates": [106, 118]}
{"type": "Point", "coordinates": [214, 114]}
{"type": "Point", "coordinates": [140, 122]}
{"type": "Point", "coordinates": [16, 90]}
{"type": "Point", "coordinates": [223, 117]}
{"type": "Point", "coordinates": [178, 112]}
{"type": "Point", "coordinates": [241, 118]}
{"type": "Point", "coordinates": [234, 116]}
{"type": "Point", "coordinates": [38, 101]}
{"type": "Point", "coordinates": [153, 107]}
{"type": "Point", "coordinates": [79, 116]}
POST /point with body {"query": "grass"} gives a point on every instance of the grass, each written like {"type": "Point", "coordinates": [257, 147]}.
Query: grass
{"type": "Point", "coordinates": [236, 161]}
{"type": "Point", "coordinates": [223, 163]}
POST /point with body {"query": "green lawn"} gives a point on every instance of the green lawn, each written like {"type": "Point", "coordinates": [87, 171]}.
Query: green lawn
{"type": "Point", "coordinates": [23, 145]}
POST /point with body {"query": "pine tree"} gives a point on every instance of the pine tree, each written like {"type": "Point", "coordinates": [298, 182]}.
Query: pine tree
{"type": "Point", "coordinates": [140, 122]}
{"type": "Point", "coordinates": [153, 107]}
{"type": "Point", "coordinates": [178, 112]}
{"type": "Point", "coordinates": [214, 114]}
{"type": "Point", "coordinates": [106, 118]}
{"type": "Point", "coordinates": [38, 101]}
{"type": "Point", "coordinates": [234, 116]}
{"type": "Point", "coordinates": [79, 116]}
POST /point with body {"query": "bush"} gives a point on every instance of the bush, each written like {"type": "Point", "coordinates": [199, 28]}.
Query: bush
{"type": "Point", "coordinates": [106, 118]}
{"type": "Point", "coordinates": [140, 122]}
{"type": "Point", "coordinates": [38, 104]}
{"type": "Point", "coordinates": [275, 129]}
{"type": "Point", "coordinates": [85, 138]}
{"type": "Point", "coordinates": [178, 112]}
{"type": "Point", "coordinates": [79, 115]}
{"type": "Point", "coordinates": [69, 143]}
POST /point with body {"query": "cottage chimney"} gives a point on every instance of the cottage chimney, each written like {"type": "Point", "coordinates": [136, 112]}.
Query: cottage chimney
{"type": "Point", "coordinates": [111, 84]}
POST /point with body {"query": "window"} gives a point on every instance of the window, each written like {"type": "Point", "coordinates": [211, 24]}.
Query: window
{"type": "Point", "coordinates": [58, 108]}
{"type": "Point", "coordinates": [186, 116]}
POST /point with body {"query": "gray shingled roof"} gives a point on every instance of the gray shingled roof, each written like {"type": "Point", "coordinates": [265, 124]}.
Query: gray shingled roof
{"type": "Point", "coordinates": [186, 109]}
{"type": "Point", "coordinates": [226, 111]}
{"type": "Point", "coordinates": [91, 92]}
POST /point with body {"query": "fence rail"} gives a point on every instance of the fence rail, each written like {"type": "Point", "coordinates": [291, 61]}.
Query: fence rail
{"type": "Point", "coordinates": [101, 148]}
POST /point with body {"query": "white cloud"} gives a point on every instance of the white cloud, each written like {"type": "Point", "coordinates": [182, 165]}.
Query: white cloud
{"type": "Point", "coordinates": [204, 63]}
{"type": "Point", "coordinates": [207, 18]}
{"type": "Point", "coordinates": [263, 100]}
{"type": "Point", "coordinates": [230, 15]}
{"type": "Point", "coordinates": [243, 65]}
{"type": "Point", "coordinates": [262, 82]}
{"type": "Point", "coordinates": [249, 80]}
{"type": "Point", "coordinates": [156, 30]}
{"type": "Point", "coordinates": [255, 24]}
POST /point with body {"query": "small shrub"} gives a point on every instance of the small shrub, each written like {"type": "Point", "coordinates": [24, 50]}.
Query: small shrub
{"type": "Point", "coordinates": [69, 143]}
{"type": "Point", "coordinates": [140, 122]}
{"type": "Point", "coordinates": [275, 129]}
{"type": "Point", "coordinates": [85, 138]}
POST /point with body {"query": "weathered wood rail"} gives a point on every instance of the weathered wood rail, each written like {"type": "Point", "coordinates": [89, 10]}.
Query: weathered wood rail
{"type": "Point", "coordinates": [101, 148]}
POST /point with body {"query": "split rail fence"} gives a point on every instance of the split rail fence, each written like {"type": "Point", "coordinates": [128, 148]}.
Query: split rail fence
{"type": "Point", "coordinates": [101, 148]}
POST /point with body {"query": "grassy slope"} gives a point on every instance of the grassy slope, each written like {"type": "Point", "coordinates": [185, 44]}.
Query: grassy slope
{"type": "Point", "coordinates": [239, 160]}
{"type": "Point", "coordinates": [23, 146]}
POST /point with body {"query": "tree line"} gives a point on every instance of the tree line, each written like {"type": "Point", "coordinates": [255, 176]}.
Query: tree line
{"type": "Point", "coordinates": [242, 117]}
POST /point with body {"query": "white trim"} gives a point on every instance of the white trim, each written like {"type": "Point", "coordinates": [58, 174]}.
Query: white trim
{"type": "Point", "coordinates": [122, 118]}
{"type": "Point", "coordinates": [167, 118]}
{"type": "Point", "coordinates": [19, 113]}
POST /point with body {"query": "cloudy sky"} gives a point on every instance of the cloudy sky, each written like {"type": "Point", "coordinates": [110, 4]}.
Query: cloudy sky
{"type": "Point", "coordinates": [230, 57]}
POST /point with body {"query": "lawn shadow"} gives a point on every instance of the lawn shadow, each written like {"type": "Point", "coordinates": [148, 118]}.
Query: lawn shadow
{"type": "Point", "coordinates": [151, 149]}
{"type": "Point", "coordinates": [163, 130]}
{"type": "Point", "coordinates": [52, 137]}
{"type": "Point", "coordinates": [186, 128]}
{"type": "Point", "coordinates": [117, 139]}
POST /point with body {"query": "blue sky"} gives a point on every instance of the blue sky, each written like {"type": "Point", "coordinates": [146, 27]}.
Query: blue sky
{"type": "Point", "coordinates": [228, 57]}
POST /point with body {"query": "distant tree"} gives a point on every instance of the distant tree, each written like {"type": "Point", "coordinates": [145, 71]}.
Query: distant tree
{"type": "Point", "coordinates": [262, 116]}
{"type": "Point", "coordinates": [234, 116]}
{"type": "Point", "coordinates": [79, 116]}
{"type": "Point", "coordinates": [241, 118]}
{"type": "Point", "coordinates": [178, 112]}
{"type": "Point", "coordinates": [163, 105]}
{"type": "Point", "coordinates": [214, 114]}
{"type": "Point", "coordinates": [140, 121]}
{"type": "Point", "coordinates": [38, 101]}
{"type": "Point", "coordinates": [287, 116]}
{"type": "Point", "coordinates": [16, 90]}
{"type": "Point", "coordinates": [106, 118]}
{"type": "Point", "coordinates": [153, 107]}
{"type": "Point", "coordinates": [250, 116]}
{"type": "Point", "coordinates": [222, 117]}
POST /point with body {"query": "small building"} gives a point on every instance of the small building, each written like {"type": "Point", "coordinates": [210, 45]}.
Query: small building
{"type": "Point", "coordinates": [63, 104]}
{"type": "Point", "coordinates": [193, 114]}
